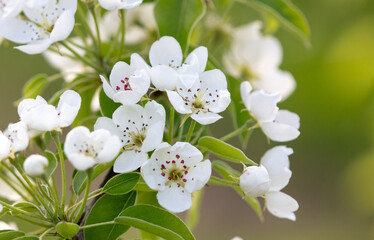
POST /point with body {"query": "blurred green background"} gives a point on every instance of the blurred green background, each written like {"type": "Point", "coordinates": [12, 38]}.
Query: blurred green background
{"type": "Point", "coordinates": [333, 163]}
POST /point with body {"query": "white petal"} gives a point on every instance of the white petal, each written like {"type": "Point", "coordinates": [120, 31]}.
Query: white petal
{"type": "Point", "coordinates": [81, 162]}
{"type": "Point", "coordinates": [191, 154]}
{"type": "Point", "coordinates": [255, 181]}
{"type": "Point", "coordinates": [213, 79]}
{"type": "Point", "coordinates": [19, 31]}
{"type": "Point", "coordinates": [281, 205]}
{"type": "Point", "coordinates": [151, 174]}
{"type": "Point", "coordinates": [42, 118]}
{"type": "Point", "coordinates": [5, 145]}
{"type": "Point", "coordinates": [110, 5]}
{"type": "Point", "coordinates": [154, 135]}
{"type": "Point", "coordinates": [18, 133]}
{"type": "Point", "coordinates": [166, 51]}
{"type": "Point", "coordinates": [35, 165]}
{"type": "Point", "coordinates": [178, 103]}
{"type": "Point", "coordinates": [107, 88]}
{"type": "Point", "coordinates": [279, 132]}
{"type": "Point", "coordinates": [198, 176]}
{"type": "Point", "coordinates": [108, 124]}
{"type": "Point", "coordinates": [174, 199]}
{"type": "Point", "coordinates": [222, 102]}
{"type": "Point", "coordinates": [277, 164]}
{"type": "Point", "coordinates": [138, 62]}
{"type": "Point", "coordinates": [263, 106]}
{"type": "Point", "coordinates": [63, 26]}
{"type": "Point", "coordinates": [245, 92]}
{"type": "Point", "coordinates": [35, 47]}
{"type": "Point", "coordinates": [127, 97]}
{"type": "Point", "coordinates": [206, 118]}
{"type": "Point", "coordinates": [202, 55]}
{"type": "Point", "coordinates": [129, 161]}
{"type": "Point", "coordinates": [128, 4]}
{"type": "Point", "coordinates": [110, 148]}
{"type": "Point", "coordinates": [163, 77]}
{"type": "Point", "coordinates": [289, 118]}
{"type": "Point", "coordinates": [68, 107]}
{"type": "Point", "coordinates": [75, 138]}
{"type": "Point", "coordinates": [119, 71]}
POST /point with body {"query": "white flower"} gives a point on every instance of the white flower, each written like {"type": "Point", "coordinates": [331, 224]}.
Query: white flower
{"type": "Point", "coordinates": [43, 25]}
{"type": "Point", "coordinates": [35, 165]}
{"type": "Point", "coordinates": [119, 4]}
{"type": "Point", "coordinates": [278, 125]}
{"type": "Point", "coordinates": [14, 139]}
{"type": "Point", "coordinates": [8, 226]}
{"type": "Point", "coordinates": [140, 130]}
{"type": "Point", "coordinates": [40, 116]}
{"type": "Point", "coordinates": [10, 8]}
{"type": "Point", "coordinates": [257, 59]}
{"type": "Point", "coordinates": [85, 149]}
{"type": "Point", "coordinates": [166, 58]}
{"type": "Point", "coordinates": [176, 172]}
{"type": "Point", "coordinates": [275, 175]}
{"type": "Point", "coordinates": [204, 98]}
{"type": "Point", "coordinates": [237, 238]}
{"type": "Point", "coordinates": [127, 84]}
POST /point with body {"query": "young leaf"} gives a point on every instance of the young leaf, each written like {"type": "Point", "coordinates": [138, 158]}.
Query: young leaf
{"type": "Point", "coordinates": [67, 229]}
{"type": "Point", "coordinates": [27, 238]}
{"type": "Point", "coordinates": [10, 234]}
{"type": "Point", "coordinates": [35, 86]}
{"type": "Point", "coordinates": [52, 164]}
{"type": "Point", "coordinates": [122, 183]}
{"type": "Point", "coordinates": [155, 220]}
{"type": "Point", "coordinates": [224, 150]}
{"type": "Point", "coordinates": [287, 13]}
{"type": "Point", "coordinates": [177, 18]}
{"type": "Point", "coordinates": [107, 208]}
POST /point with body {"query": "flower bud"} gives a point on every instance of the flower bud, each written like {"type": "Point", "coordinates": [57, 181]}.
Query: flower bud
{"type": "Point", "coordinates": [35, 165]}
{"type": "Point", "coordinates": [255, 181]}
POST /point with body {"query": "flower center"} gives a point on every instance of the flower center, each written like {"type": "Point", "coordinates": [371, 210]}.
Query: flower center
{"type": "Point", "coordinates": [137, 137]}
{"type": "Point", "coordinates": [199, 102]}
{"type": "Point", "coordinates": [126, 85]}
{"type": "Point", "coordinates": [176, 174]}
{"type": "Point", "coordinates": [247, 73]}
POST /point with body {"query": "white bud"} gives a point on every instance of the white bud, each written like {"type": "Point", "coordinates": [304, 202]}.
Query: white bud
{"type": "Point", "coordinates": [35, 165]}
{"type": "Point", "coordinates": [255, 181]}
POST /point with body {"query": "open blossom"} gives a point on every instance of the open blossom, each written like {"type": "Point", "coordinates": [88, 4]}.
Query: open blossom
{"type": "Point", "coordinates": [127, 84]}
{"type": "Point", "coordinates": [176, 172]}
{"type": "Point", "coordinates": [269, 179]}
{"type": "Point", "coordinates": [204, 98]}
{"type": "Point", "coordinates": [35, 165]}
{"type": "Point", "coordinates": [256, 58]}
{"type": "Point", "coordinates": [119, 4]}
{"type": "Point", "coordinates": [40, 116]}
{"type": "Point", "coordinates": [14, 139]}
{"type": "Point", "coordinates": [10, 8]}
{"type": "Point", "coordinates": [140, 130]}
{"type": "Point", "coordinates": [85, 149]}
{"type": "Point", "coordinates": [166, 58]}
{"type": "Point", "coordinates": [278, 125]}
{"type": "Point", "coordinates": [44, 24]}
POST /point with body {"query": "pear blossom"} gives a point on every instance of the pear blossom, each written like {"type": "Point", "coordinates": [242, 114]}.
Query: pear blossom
{"type": "Point", "coordinates": [127, 84]}
{"type": "Point", "coordinates": [14, 139]}
{"type": "Point", "coordinates": [140, 130]}
{"type": "Point", "coordinates": [10, 8]}
{"type": "Point", "coordinates": [35, 165]}
{"type": "Point", "coordinates": [40, 116]}
{"type": "Point", "coordinates": [278, 125]}
{"type": "Point", "coordinates": [85, 149]}
{"type": "Point", "coordinates": [8, 226]}
{"type": "Point", "coordinates": [111, 5]}
{"type": "Point", "coordinates": [275, 175]}
{"type": "Point", "coordinates": [166, 58]}
{"type": "Point", "coordinates": [204, 98]}
{"type": "Point", "coordinates": [256, 58]}
{"type": "Point", "coordinates": [176, 172]}
{"type": "Point", "coordinates": [44, 23]}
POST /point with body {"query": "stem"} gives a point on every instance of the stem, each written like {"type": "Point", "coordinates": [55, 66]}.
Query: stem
{"type": "Point", "coordinates": [45, 233]}
{"type": "Point", "coordinates": [190, 131]}
{"type": "Point", "coordinates": [56, 138]}
{"type": "Point", "coordinates": [55, 198]}
{"type": "Point", "coordinates": [84, 22]}
{"type": "Point", "coordinates": [221, 182]}
{"type": "Point", "coordinates": [97, 31]}
{"type": "Point", "coordinates": [171, 125]}
{"type": "Point", "coordinates": [10, 184]}
{"type": "Point", "coordinates": [13, 208]}
{"type": "Point", "coordinates": [180, 134]}
{"type": "Point", "coordinates": [89, 180]}
{"type": "Point", "coordinates": [98, 225]}
{"type": "Point", "coordinates": [82, 59]}
{"type": "Point", "coordinates": [35, 222]}
{"type": "Point", "coordinates": [239, 131]}
{"type": "Point", "coordinates": [123, 31]}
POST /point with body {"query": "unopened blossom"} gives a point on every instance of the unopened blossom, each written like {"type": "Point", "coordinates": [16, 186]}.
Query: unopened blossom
{"type": "Point", "coordinates": [40, 116]}
{"type": "Point", "coordinates": [204, 98]}
{"type": "Point", "coordinates": [14, 139]}
{"type": "Point", "coordinates": [119, 4]}
{"type": "Point", "coordinates": [278, 125]}
{"type": "Point", "coordinates": [176, 172]}
{"type": "Point", "coordinates": [275, 175]}
{"type": "Point", "coordinates": [85, 149]}
{"type": "Point", "coordinates": [127, 84]}
{"type": "Point", "coordinates": [166, 59]}
{"type": "Point", "coordinates": [256, 58]}
{"type": "Point", "coordinates": [43, 25]}
{"type": "Point", "coordinates": [35, 165]}
{"type": "Point", "coordinates": [140, 130]}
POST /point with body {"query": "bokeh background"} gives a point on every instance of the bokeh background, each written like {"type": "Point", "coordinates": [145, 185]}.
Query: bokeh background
{"type": "Point", "coordinates": [333, 163]}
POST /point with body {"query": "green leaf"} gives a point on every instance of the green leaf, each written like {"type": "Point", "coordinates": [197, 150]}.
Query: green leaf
{"type": "Point", "coordinates": [35, 86]}
{"type": "Point", "coordinates": [224, 150]}
{"type": "Point", "coordinates": [229, 173]}
{"type": "Point", "coordinates": [122, 183]}
{"type": "Point", "coordinates": [177, 18]}
{"type": "Point", "coordinates": [107, 208]}
{"type": "Point", "coordinates": [27, 238]}
{"type": "Point", "coordinates": [28, 207]}
{"type": "Point", "coordinates": [287, 13]}
{"type": "Point", "coordinates": [155, 220]}
{"type": "Point", "coordinates": [67, 229]}
{"type": "Point", "coordinates": [10, 234]}
{"type": "Point", "coordinates": [52, 164]}
{"type": "Point", "coordinates": [107, 105]}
